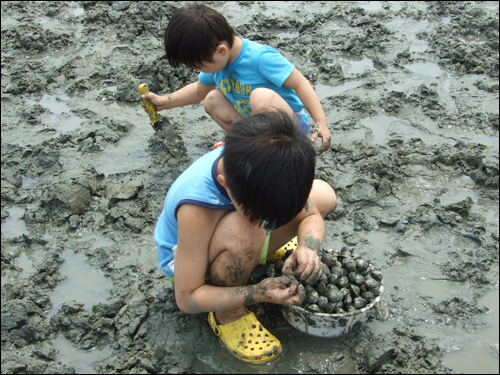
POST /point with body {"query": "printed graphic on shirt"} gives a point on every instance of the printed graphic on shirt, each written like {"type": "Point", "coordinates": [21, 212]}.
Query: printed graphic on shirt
{"type": "Point", "coordinates": [232, 85]}
{"type": "Point", "coordinates": [232, 89]}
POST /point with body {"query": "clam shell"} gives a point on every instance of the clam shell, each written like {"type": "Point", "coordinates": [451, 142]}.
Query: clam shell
{"type": "Point", "coordinates": [322, 302]}
{"type": "Point", "coordinates": [278, 267]}
{"type": "Point", "coordinates": [372, 284]}
{"type": "Point", "coordinates": [349, 264]}
{"type": "Point", "coordinates": [359, 302]}
{"type": "Point", "coordinates": [334, 296]}
{"type": "Point", "coordinates": [332, 279]}
{"type": "Point", "coordinates": [342, 281]}
{"type": "Point", "coordinates": [336, 270]}
{"type": "Point", "coordinates": [355, 289]}
{"type": "Point", "coordinates": [362, 265]}
{"type": "Point", "coordinates": [313, 297]}
{"type": "Point", "coordinates": [328, 259]}
{"type": "Point", "coordinates": [313, 307]}
{"type": "Point", "coordinates": [326, 270]}
{"type": "Point", "coordinates": [321, 288]}
{"type": "Point", "coordinates": [330, 307]}
{"type": "Point", "coordinates": [368, 296]}
{"type": "Point", "coordinates": [377, 275]}
{"type": "Point", "coordinates": [359, 279]}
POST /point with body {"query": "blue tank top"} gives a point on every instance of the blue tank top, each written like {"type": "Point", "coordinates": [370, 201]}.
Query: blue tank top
{"type": "Point", "coordinates": [197, 185]}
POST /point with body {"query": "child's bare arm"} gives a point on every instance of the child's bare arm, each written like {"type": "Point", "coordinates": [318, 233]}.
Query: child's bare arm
{"type": "Point", "coordinates": [190, 94]}
{"type": "Point", "coordinates": [305, 262]}
{"type": "Point", "coordinates": [193, 295]}
{"type": "Point", "coordinates": [307, 95]}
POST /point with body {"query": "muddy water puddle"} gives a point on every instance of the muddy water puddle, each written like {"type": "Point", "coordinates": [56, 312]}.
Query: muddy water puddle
{"type": "Point", "coordinates": [81, 360]}
{"type": "Point", "coordinates": [466, 351]}
{"type": "Point", "coordinates": [299, 351]}
{"type": "Point", "coordinates": [88, 286]}
{"type": "Point", "coordinates": [84, 284]}
{"type": "Point", "coordinates": [479, 345]}
{"type": "Point", "coordinates": [60, 118]}
{"type": "Point", "coordinates": [14, 226]}
{"type": "Point", "coordinates": [324, 90]}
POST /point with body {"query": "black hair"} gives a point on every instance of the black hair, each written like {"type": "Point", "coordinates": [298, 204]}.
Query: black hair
{"type": "Point", "coordinates": [269, 167]}
{"type": "Point", "coordinates": [193, 35]}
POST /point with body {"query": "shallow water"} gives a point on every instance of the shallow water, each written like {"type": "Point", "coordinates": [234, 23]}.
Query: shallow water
{"type": "Point", "coordinates": [81, 360]}
{"type": "Point", "coordinates": [83, 283]}
{"type": "Point", "coordinates": [479, 345]}
{"type": "Point", "coordinates": [14, 226]}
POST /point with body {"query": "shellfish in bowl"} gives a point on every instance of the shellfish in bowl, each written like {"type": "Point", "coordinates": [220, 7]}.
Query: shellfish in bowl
{"type": "Point", "coordinates": [341, 301]}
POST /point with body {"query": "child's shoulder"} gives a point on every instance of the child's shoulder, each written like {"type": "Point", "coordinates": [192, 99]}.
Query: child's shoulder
{"type": "Point", "coordinates": [257, 45]}
{"type": "Point", "coordinates": [256, 49]}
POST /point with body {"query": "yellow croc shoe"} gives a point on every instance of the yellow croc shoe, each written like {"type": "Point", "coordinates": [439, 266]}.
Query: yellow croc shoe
{"type": "Point", "coordinates": [280, 253]}
{"type": "Point", "coordinates": [247, 339]}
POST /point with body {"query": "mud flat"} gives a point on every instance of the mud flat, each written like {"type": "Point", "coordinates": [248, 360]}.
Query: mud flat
{"type": "Point", "coordinates": [410, 90]}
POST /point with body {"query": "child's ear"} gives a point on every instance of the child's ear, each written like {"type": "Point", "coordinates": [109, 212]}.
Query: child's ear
{"type": "Point", "coordinates": [222, 180]}
{"type": "Point", "coordinates": [222, 49]}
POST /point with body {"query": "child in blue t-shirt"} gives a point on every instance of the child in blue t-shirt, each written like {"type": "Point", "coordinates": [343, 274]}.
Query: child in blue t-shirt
{"type": "Point", "coordinates": [239, 77]}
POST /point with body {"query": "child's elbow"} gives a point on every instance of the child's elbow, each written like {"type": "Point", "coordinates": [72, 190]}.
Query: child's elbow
{"type": "Point", "coordinates": [185, 309]}
{"type": "Point", "coordinates": [187, 306]}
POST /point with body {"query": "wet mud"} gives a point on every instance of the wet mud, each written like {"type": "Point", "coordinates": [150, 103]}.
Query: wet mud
{"type": "Point", "coordinates": [410, 90]}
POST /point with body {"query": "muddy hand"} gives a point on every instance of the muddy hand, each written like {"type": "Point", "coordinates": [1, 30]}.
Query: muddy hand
{"type": "Point", "coordinates": [305, 264]}
{"type": "Point", "coordinates": [157, 100]}
{"type": "Point", "coordinates": [284, 290]}
{"type": "Point", "coordinates": [325, 136]}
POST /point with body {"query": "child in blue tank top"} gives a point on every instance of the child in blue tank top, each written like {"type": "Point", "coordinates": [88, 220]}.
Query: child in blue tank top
{"type": "Point", "coordinates": [230, 209]}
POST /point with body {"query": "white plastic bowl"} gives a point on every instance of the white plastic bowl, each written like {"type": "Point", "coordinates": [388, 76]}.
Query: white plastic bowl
{"type": "Point", "coordinates": [328, 325]}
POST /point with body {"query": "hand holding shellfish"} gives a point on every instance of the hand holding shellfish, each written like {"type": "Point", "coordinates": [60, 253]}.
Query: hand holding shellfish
{"type": "Point", "coordinates": [284, 290]}
{"type": "Point", "coordinates": [305, 264]}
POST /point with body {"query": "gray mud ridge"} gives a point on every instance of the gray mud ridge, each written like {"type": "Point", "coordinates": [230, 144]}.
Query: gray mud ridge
{"type": "Point", "coordinates": [410, 90]}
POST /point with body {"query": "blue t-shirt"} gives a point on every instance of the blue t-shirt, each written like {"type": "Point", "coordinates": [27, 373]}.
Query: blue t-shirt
{"type": "Point", "coordinates": [197, 185]}
{"type": "Point", "coordinates": [255, 66]}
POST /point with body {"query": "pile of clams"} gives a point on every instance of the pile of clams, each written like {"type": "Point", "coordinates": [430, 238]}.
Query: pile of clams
{"type": "Point", "coordinates": [348, 283]}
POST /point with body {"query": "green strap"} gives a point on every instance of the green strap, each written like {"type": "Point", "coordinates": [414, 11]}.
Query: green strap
{"type": "Point", "coordinates": [265, 248]}
{"type": "Point", "coordinates": [171, 278]}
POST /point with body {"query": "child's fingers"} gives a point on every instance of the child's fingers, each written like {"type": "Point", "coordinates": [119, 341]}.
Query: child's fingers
{"type": "Point", "coordinates": [290, 265]}
{"type": "Point", "coordinates": [314, 136]}
{"type": "Point", "coordinates": [327, 143]}
{"type": "Point", "coordinates": [298, 296]}
{"type": "Point", "coordinates": [325, 147]}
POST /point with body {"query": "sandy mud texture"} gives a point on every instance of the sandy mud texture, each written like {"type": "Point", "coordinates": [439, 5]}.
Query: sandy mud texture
{"type": "Point", "coordinates": [410, 90]}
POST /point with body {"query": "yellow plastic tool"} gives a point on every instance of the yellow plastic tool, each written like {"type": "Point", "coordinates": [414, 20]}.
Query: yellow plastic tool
{"type": "Point", "coordinates": [150, 108]}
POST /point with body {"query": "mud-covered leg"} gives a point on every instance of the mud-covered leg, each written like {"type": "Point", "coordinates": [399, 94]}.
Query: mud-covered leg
{"type": "Point", "coordinates": [233, 254]}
